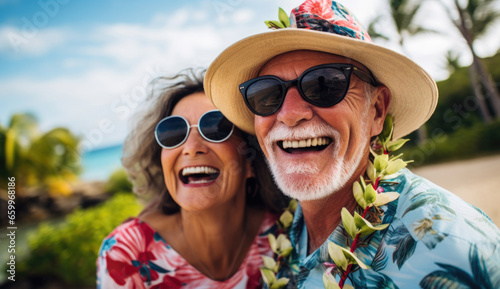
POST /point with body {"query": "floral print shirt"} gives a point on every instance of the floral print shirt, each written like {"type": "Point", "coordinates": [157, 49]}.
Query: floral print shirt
{"type": "Point", "coordinates": [135, 256]}
{"type": "Point", "coordinates": [434, 240]}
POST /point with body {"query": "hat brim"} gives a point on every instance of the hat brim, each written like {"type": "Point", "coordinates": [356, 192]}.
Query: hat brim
{"type": "Point", "coordinates": [414, 93]}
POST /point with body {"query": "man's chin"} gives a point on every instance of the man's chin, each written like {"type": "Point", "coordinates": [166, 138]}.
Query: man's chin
{"type": "Point", "coordinates": [300, 186]}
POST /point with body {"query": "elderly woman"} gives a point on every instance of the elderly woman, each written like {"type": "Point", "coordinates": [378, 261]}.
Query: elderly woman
{"type": "Point", "coordinates": [213, 200]}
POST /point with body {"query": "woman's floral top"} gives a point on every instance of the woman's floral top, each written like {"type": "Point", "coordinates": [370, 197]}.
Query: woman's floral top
{"type": "Point", "coordinates": [135, 256]}
{"type": "Point", "coordinates": [434, 240]}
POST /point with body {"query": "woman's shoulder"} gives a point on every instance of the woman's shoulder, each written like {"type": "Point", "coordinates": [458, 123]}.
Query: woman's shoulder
{"type": "Point", "coordinates": [131, 233]}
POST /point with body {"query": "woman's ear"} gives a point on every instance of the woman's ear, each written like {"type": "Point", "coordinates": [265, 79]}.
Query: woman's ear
{"type": "Point", "coordinates": [381, 99]}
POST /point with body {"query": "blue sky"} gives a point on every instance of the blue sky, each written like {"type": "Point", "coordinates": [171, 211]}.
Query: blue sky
{"type": "Point", "coordinates": [85, 65]}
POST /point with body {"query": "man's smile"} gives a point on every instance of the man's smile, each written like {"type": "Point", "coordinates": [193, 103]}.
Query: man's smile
{"type": "Point", "coordinates": [304, 145]}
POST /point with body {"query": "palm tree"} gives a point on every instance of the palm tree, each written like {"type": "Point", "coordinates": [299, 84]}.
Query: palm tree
{"type": "Point", "coordinates": [452, 61]}
{"type": "Point", "coordinates": [473, 21]}
{"type": "Point", "coordinates": [403, 13]}
{"type": "Point", "coordinates": [34, 158]}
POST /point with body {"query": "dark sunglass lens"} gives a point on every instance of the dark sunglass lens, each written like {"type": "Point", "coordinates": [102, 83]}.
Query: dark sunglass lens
{"type": "Point", "coordinates": [171, 132]}
{"type": "Point", "coordinates": [215, 126]}
{"type": "Point", "coordinates": [264, 96]}
{"type": "Point", "coordinates": [325, 86]}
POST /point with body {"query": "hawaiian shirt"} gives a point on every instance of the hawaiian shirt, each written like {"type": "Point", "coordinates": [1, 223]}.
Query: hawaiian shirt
{"type": "Point", "coordinates": [434, 240]}
{"type": "Point", "coordinates": [136, 256]}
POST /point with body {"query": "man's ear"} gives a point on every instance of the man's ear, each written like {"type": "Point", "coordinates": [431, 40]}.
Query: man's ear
{"type": "Point", "coordinates": [381, 98]}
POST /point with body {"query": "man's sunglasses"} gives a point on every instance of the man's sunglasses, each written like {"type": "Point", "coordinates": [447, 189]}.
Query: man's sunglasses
{"type": "Point", "coordinates": [173, 130]}
{"type": "Point", "coordinates": [323, 85]}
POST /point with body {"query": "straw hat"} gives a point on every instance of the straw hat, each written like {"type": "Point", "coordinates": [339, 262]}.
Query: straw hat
{"type": "Point", "coordinates": [324, 26]}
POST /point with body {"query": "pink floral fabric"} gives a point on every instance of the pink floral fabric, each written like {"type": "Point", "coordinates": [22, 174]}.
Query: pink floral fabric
{"type": "Point", "coordinates": [328, 16]}
{"type": "Point", "coordinates": [135, 256]}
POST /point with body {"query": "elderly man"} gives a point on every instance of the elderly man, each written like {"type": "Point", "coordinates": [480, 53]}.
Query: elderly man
{"type": "Point", "coordinates": [315, 94]}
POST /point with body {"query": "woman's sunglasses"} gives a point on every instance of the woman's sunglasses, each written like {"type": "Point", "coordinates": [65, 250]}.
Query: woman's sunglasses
{"type": "Point", "coordinates": [323, 85]}
{"type": "Point", "coordinates": [173, 130]}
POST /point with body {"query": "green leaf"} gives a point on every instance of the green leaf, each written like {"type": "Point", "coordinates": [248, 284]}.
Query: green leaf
{"type": "Point", "coordinates": [394, 166]}
{"type": "Point", "coordinates": [292, 205]}
{"type": "Point", "coordinates": [365, 226]}
{"type": "Point", "coordinates": [358, 195]}
{"type": "Point", "coordinates": [385, 198]}
{"type": "Point", "coordinates": [267, 276]}
{"type": "Point", "coordinates": [281, 282]}
{"type": "Point", "coordinates": [274, 24]}
{"type": "Point", "coordinates": [270, 263]}
{"type": "Point", "coordinates": [329, 282]}
{"type": "Point", "coordinates": [286, 252]}
{"type": "Point", "coordinates": [386, 133]}
{"type": "Point", "coordinates": [396, 144]}
{"type": "Point", "coordinates": [286, 219]}
{"type": "Point", "coordinates": [353, 259]}
{"type": "Point", "coordinates": [272, 243]}
{"type": "Point", "coordinates": [359, 221]}
{"type": "Point", "coordinates": [380, 162]}
{"type": "Point", "coordinates": [348, 221]}
{"type": "Point", "coordinates": [370, 195]}
{"type": "Point", "coordinates": [363, 184]}
{"type": "Point", "coordinates": [337, 255]}
{"type": "Point", "coordinates": [371, 172]}
{"type": "Point", "coordinates": [284, 246]}
{"type": "Point", "coordinates": [283, 17]}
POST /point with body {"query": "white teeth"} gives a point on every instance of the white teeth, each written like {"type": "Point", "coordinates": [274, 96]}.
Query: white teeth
{"type": "Point", "coordinates": [200, 181]}
{"type": "Point", "coordinates": [198, 170]}
{"type": "Point", "coordinates": [311, 142]}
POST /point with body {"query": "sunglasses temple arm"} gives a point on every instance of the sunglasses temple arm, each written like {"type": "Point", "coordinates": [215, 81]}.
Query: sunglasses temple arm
{"type": "Point", "coordinates": [366, 76]}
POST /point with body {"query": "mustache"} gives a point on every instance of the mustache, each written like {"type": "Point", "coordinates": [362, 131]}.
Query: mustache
{"type": "Point", "coordinates": [281, 131]}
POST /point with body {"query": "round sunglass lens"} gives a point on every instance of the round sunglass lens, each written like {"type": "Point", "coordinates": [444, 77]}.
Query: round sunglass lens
{"type": "Point", "coordinates": [264, 96]}
{"type": "Point", "coordinates": [171, 131]}
{"type": "Point", "coordinates": [215, 126]}
{"type": "Point", "coordinates": [325, 86]}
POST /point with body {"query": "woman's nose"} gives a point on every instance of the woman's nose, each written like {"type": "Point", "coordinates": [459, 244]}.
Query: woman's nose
{"type": "Point", "coordinates": [195, 143]}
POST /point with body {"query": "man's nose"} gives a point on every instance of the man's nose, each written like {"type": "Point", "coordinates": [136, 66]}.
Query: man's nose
{"type": "Point", "coordinates": [294, 109]}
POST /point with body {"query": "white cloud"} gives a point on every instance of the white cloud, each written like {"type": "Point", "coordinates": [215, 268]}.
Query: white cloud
{"type": "Point", "coordinates": [111, 89]}
{"type": "Point", "coordinates": [18, 42]}
{"type": "Point", "coordinates": [242, 16]}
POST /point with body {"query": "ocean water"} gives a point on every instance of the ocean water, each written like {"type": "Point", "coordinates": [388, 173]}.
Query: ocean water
{"type": "Point", "coordinates": [100, 163]}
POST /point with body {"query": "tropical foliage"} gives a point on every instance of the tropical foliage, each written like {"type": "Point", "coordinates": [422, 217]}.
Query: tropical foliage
{"type": "Point", "coordinates": [36, 158]}
{"type": "Point", "coordinates": [474, 19]}
{"type": "Point", "coordinates": [118, 182]}
{"type": "Point", "coordinates": [68, 251]}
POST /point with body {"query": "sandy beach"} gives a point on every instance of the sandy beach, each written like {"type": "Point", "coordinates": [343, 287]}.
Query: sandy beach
{"type": "Point", "coordinates": [476, 181]}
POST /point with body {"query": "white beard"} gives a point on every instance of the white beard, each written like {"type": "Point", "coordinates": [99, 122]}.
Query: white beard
{"type": "Point", "coordinates": [312, 184]}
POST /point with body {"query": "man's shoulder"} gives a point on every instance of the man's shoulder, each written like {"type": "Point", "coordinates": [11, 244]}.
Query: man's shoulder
{"type": "Point", "coordinates": [419, 195]}
{"type": "Point", "coordinates": [426, 207]}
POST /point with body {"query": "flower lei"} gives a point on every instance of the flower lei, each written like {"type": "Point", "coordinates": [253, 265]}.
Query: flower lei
{"type": "Point", "coordinates": [368, 194]}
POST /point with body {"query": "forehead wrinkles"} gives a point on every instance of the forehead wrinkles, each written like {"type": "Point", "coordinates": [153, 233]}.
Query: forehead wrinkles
{"type": "Point", "coordinates": [292, 64]}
